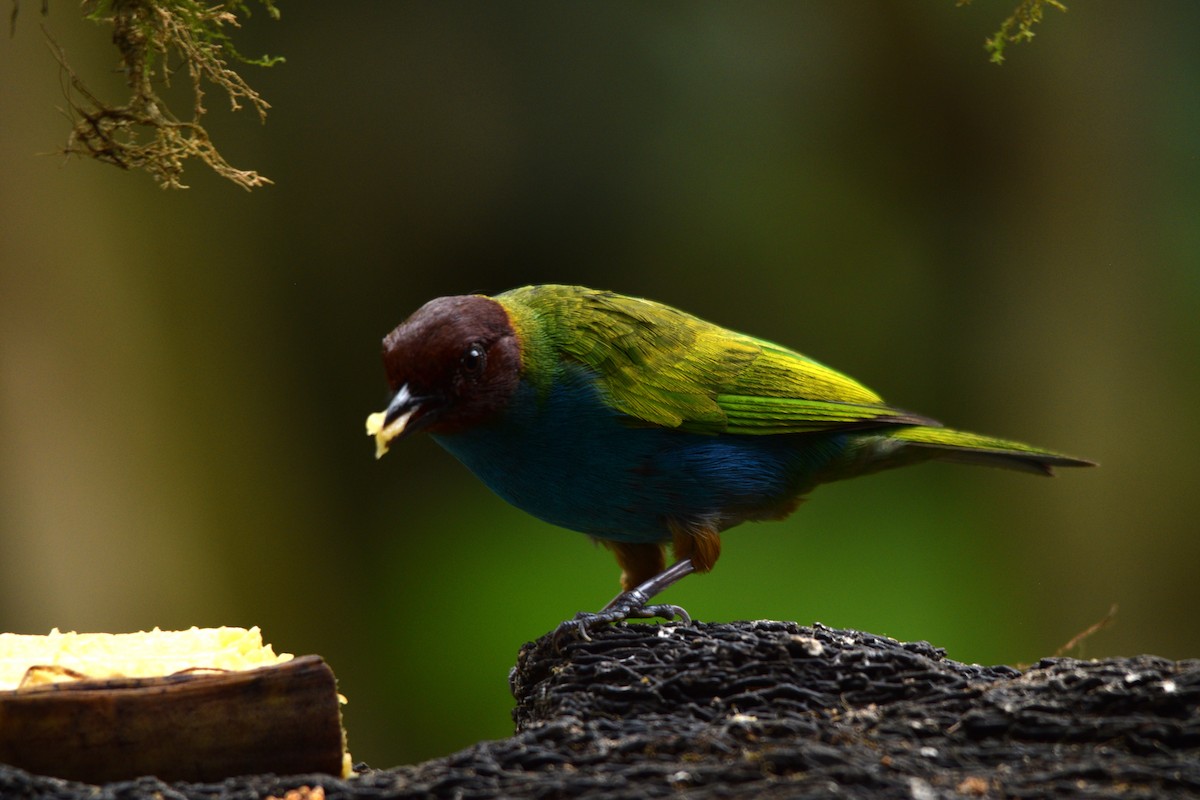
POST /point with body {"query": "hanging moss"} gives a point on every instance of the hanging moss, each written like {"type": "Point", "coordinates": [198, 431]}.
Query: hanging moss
{"type": "Point", "coordinates": [1018, 26]}
{"type": "Point", "coordinates": [144, 132]}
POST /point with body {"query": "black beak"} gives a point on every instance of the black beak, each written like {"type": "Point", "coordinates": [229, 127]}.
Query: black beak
{"type": "Point", "coordinates": [404, 414]}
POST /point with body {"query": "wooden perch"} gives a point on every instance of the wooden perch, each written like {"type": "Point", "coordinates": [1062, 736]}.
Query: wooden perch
{"type": "Point", "coordinates": [773, 709]}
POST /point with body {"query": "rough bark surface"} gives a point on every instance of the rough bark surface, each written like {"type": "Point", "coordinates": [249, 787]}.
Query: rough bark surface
{"type": "Point", "coordinates": [773, 709]}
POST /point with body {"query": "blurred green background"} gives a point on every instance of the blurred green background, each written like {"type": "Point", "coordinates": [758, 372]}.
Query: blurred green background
{"type": "Point", "coordinates": [1015, 250]}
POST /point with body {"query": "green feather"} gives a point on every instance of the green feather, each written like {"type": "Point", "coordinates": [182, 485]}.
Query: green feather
{"type": "Point", "coordinates": [975, 448]}
{"type": "Point", "coordinates": [664, 367]}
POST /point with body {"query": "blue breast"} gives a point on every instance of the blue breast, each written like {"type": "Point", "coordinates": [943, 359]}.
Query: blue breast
{"type": "Point", "coordinates": [571, 460]}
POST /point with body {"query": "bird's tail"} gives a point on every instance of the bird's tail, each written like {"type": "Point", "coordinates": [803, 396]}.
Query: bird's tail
{"type": "Point", "coordinates": [974, 448]}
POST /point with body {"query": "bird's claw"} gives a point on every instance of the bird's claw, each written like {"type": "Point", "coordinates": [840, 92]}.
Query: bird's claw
{"type": "Point", "coordinates": [616, 612]}
{"type": "Point", "coordinates": [668, 611]}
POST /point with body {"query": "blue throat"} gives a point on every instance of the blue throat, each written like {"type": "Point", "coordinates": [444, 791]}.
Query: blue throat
{"type": "Point", "coordinates": [569, 459]}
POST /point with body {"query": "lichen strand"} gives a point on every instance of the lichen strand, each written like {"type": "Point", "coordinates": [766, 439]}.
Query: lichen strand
{"type": "Point", "coordinates": [144, 133]}
{"type": "Point", "coordinates": [1018, 27]}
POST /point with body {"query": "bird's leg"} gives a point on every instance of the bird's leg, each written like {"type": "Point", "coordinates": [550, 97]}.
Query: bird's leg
{"type": "Point", "coordinates": [634, 603]}
{"type": "Point", "coordinates": [635, 600]}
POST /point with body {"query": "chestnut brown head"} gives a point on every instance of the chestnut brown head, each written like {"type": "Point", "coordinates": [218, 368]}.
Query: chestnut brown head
{"type": "Point", "coordinates": [451, 365]}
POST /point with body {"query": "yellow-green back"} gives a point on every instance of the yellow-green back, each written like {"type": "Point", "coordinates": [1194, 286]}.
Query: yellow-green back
{"type": "Point", "coordinates": [665, 367]}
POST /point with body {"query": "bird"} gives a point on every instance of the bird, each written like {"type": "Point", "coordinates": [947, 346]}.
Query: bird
{"type": "Point", "coordinates": [644, 426]}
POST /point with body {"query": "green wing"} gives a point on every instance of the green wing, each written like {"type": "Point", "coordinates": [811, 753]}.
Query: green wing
{"type": "Point", "coordinates": [669, 368]}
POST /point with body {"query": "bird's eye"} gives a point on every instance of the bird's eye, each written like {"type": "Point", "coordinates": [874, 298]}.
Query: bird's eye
{"type": "Point", "coordinates": [474, 359]}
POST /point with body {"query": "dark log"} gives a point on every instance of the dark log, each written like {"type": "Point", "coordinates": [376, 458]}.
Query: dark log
{"type": "Point", "coordinates": [196, 725]}
{"type": "Point", "coordinates": [773, 709]}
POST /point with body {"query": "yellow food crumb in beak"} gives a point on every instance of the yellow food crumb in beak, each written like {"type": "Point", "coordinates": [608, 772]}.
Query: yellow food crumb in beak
{"type": "Point", "coordinates": [375, 428]}
{"type": "Point", "coordinates": [384, 434]}
{"type": "Point", "coordinates": [375, 423]}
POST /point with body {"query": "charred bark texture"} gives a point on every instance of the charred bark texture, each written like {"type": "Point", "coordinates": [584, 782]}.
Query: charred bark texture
{"type": "Point", "coordinates": [773, 709]}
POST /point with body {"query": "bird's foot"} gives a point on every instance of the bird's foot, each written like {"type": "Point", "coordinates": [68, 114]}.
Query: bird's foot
{"type": "Point", "coordinates": [625, 606]}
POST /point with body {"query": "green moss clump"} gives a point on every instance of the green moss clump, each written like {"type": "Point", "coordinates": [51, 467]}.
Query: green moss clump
{"type": "Point", "coordinates": [144, 133]}
{"type": "Point", "coordinates": [1018, 27]}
